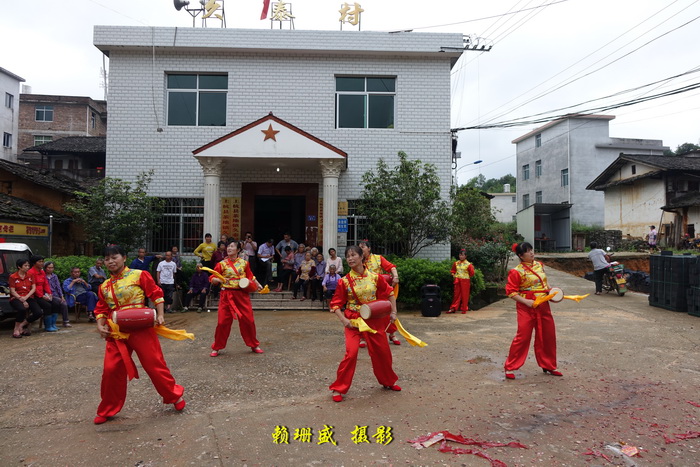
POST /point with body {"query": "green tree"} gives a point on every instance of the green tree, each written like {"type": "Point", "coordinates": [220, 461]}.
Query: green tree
{"type": "Point", "coordinates": [492, 185]}
{"type": "Point", "coordinates": [404, 207]}
{"type": "Point", "coordinates": [471, 215]}
{"type": "Point", "coordinates": [686, 147]}
{"type": "Point", "coordinates": [114, 211]}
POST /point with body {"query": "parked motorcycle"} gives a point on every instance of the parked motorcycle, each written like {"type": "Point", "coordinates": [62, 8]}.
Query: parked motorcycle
{"type": "Point", "coordinates": [614, 277]}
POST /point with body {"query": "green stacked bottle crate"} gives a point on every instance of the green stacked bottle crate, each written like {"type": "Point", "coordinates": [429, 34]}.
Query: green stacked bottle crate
{"type": "Point", "coordinates": [670, 278]}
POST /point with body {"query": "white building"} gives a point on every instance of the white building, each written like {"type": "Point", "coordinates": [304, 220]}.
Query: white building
{"type": "Point", "coordinates": [504, 206]}
{"type": "Point", "coordinates": [271, 130]}
{"type": "Point", "coordinates": [9, 115]}
{"type": "Point", "coordinates": [556, 162]}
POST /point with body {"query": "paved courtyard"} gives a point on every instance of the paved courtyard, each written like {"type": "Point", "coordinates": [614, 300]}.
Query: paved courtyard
{"type": "Point", "coordinates": [631, 375]}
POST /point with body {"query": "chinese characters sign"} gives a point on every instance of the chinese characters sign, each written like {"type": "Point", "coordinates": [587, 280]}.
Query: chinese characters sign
{"type": "Point", "coordinates": [350, 14]}
{"type": "Point", "coordinates": [24, 229]}
{"type": "Point", "coordinates": [231, 217]}
{"type": "Point", "coordinates": [360, 435]}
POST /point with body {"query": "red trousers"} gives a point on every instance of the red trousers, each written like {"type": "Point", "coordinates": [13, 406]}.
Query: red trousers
{"type": "Point", "coordinates": [114, 376]}
{"type": "Point", "coordinates": [235, 304]}
{"type": "Point", "coordinates": [379, 353]}
{"type": "Point", "coordinates": [461, 295]}
{"type": "Point", "coordinates": [540, 319]}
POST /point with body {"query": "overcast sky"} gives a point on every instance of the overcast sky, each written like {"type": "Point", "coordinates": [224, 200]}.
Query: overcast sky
{"type": "Point", "coordinates": [619, 44]}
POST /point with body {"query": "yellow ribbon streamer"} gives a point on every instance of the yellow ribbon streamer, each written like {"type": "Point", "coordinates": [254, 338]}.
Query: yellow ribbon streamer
{"type": "Point", "coordinates": [545, 298]}
{"type": "Point", "coordinates": [265, 289]}
{"type": "Point", "coordinates": [362, 325]}
{"type": "Point", "coordinates": [576, 298]}
{"type": "Point", "coordinates": [410, 338]}
{"type": "Point", "coordinates": [214, 273]}
{"type": "Point", "coordinates": [172, 334]}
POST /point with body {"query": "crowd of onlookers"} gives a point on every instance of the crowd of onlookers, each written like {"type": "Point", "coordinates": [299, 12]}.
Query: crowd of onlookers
{"type": "Point", "coordinates": [36, 292]}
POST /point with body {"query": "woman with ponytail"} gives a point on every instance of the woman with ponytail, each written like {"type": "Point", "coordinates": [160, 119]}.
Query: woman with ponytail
{"type": "Point", "coordinates": [462, 271]}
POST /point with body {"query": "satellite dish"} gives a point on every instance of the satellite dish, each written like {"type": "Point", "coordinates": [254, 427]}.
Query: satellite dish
{"type": "Point", "coordinates": [180, 3]}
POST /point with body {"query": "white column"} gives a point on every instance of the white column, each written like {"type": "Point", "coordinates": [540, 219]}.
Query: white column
{"type": "Point", "coordinates": [211, 168]}
{"type": "Point", "coordinates": [331, 171]}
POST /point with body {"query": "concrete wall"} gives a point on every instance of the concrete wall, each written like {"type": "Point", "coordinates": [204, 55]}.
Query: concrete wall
{"type": "Point", "coordinates": [504, 206]}
{"type": "Point", "coordinates": [297, 86]}
{"type": "Point", "coordinates": [633, 208]}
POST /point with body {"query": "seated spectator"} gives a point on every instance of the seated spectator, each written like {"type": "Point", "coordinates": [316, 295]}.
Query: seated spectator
{"type": "Point", "coordinates": [317, 279]}
{"type": "Point", "coordinates": [199, 287]}
{"type": "Point", "coordinates": [299, 256]}
{"type": "Point", "coordinates": [306, 271]}
{"type": "Point", "coordinates": [59, 300]}
{"type": "Point", "coordinates": [330, 282]}
{"type": "Point", "coordinates": [22, 299]}
{"type": "Point", "coordinates": [42, 293]}
{"type": "Point", "coordinates": [334, 260]}
{"type": "Point", "coordinates": [219, 255]}
{"type": "Point", "coordinates": [79, 291]}
{"type": "Point", "coordinates": [142, 261]}
{"type": "Point", "coordinates": [97, 275]}
{"type": "Point", "coordinates": [287, 268]}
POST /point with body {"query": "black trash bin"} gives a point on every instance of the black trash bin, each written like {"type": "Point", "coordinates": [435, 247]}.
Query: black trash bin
{"type": "Point", "coordinates": [430, 300]}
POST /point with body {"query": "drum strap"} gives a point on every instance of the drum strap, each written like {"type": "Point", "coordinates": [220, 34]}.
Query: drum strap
{"type": "Point", "coordinates": [525, 266]}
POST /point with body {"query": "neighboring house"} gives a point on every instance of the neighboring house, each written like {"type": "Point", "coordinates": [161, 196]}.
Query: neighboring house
{"type": "Point", "coordinates": [556, 162]}
{"type": "Point", "coordinates": [29, 197]}
{"type": "Point", "coordinates": [642, 190]}
{"type": "Point", "coordinates": [271, 130]}
{"type": "Point", "coordinates": [504, 206]}
{"type": "Point", "coordinates": [76, 157]}
{"type": "Point", "coordinates": [9, 113]}
{"type": "Point", "coordinates": [46, 118]}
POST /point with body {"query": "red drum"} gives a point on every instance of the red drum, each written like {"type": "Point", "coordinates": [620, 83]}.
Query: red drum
{"type": "Point", "coordinates": [247, 285]}
{"type": "Point", "coordinates": [134, 319]}
{"type": "Point", "coordinates": [375, 309]}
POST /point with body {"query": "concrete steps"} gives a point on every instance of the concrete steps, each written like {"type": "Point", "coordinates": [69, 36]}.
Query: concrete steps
{"type": "Point", "coordinates": [275, 301]}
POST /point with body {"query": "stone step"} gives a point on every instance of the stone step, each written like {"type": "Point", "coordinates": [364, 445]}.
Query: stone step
{"type": "Point", "coordinates": [275, 301]}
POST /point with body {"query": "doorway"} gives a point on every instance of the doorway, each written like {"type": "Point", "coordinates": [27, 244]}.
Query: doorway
{"type": "Point", "coordinates": [275, 215]}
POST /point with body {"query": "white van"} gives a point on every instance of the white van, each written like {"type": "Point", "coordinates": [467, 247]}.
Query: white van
{"type": "Point", "coordinates": [9, 254]}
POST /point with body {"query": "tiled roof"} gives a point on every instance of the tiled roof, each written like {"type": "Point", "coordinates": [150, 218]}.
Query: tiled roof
{"type": "Point", "coordinates": [660, 163]}
{"type": "Point", "coordinates": [41, 177]}
{"type": "Point", "coordinates": [665, 162]}
{"type": "Point", "coordinates": [73, 145]}
{"type": "Point", "coordinates": [17, 209]}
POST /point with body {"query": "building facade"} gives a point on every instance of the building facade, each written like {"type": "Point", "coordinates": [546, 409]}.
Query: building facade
{"type": "Point", "coordinates": [557, 161]}
{"type": "Point", "coordinates": [9, 113]}
{"type": "Point", "coordinates": [47, 118]}
{"type": "Point", "coordinates": [504, 206]}
{"type": "Point", "coordinates": [270, 131]}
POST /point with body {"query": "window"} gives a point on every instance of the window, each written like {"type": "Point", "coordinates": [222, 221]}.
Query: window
{"type": "Point", "coordinates": [362, 102]}
{"type": "Point", "coordinates": [526, 172]}
{"type": "Point", "coordinates": [9, 100]}
{"type": "Point", "coordinates": [42, 139]}
{"type": "Point", "coordinates": [538, 197]}
{"type": "Point", "coordinates": [514, 199]}
{"type": "Point", "coordinates": [357, 225]}
{"type": "Point", "coordinates": [538, 140]}
{"type": "Point", "coordinates": [634, 169]}
{"type": "Point", "coordinates": [182, 225]}
{"type": "Point", "coordinates": [538, 168]}
{"type": "Point", "coordinates": [43, 113]}
{"type": "Point", "coordinates": [197, 100]}
{"type": "Point", "coordinates": [93, 120]}
{"type": "Point", "coordinates": [526, 201]}
{"type": "Point", "coordinates": [7, 140]}
{"type": "Point", "coordinates": [565, 177]}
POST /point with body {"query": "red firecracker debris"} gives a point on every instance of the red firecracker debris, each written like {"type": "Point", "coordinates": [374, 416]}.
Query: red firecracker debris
{"type": "Point", "coordinates": [444, 436]}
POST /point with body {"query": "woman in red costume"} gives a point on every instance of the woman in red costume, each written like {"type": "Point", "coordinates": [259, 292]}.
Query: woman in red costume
{"type": "Point", "coordinates": [234, 302]}
{"type": "Point", "coordinates": [357, 287]}
{"type": "Point", "coordinates": [381, 266]}
{"type": "Point", "coordinates": [129, 288]}
{"type": "Point", "coordinates": [526, 281]}
{"type": "Point", "coordinates": [462, 271]}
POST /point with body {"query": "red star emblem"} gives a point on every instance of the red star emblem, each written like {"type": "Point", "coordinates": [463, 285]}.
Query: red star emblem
{"type": "Point", "coordinates": [270, 133]}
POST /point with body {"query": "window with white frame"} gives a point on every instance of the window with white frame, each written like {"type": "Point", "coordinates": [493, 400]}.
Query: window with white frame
{"type": "Point", "coordinates": [538, 140]}
{"type": "Point", "coordinates": [43, 113]}
{"type": "Point", "coordinates": [538, 168]}
{"type": "Point", "coordinates": [7, 140]}
{"type": "Point", "coordinates": [181, 225]}
{"type": "Point", "coordinates": [526, 172]}
{"type": "Point", "coordinates": [526, 201]}
{"type": "Point", "coordinates": [565, 177]}
{"type": "Point", "coordinates": [538, 197]}
{"type": "Point", "coordinates": [9, 100]}
{"type": "Point", "coordinates": [197, 99]}
{"type": "Point", "coordinates": [364, 102]}
{"type": "Point", "coordinates": [42, 139]}
{"type": "Point", "coordinates": [357, 225]}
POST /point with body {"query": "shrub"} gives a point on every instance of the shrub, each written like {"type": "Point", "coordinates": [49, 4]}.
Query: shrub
{"type": "Point", "coordinates": [415, 273]}
{"type": "Point", "coordinates": [491, 256]}
{"type": "Point", "coordinates": [63, 265]}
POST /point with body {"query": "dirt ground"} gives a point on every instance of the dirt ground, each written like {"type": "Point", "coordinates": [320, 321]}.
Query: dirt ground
{"type": "Point", "coordinates": [631, 375]}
